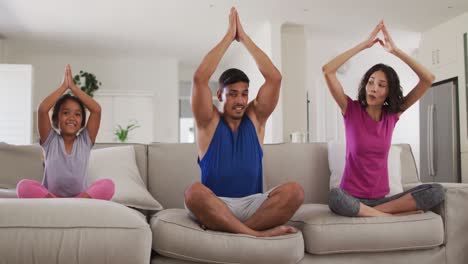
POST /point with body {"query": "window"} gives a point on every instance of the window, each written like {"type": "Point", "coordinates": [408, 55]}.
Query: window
{"type": "Point", "coordinates": [16, 104]}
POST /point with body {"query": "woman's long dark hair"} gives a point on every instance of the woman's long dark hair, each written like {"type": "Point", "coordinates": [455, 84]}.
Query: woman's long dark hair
{"type": "Point", "coordinates": [394, 99]}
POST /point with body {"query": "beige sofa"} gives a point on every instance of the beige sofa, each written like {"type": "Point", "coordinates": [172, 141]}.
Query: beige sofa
{"type": "Point", "coordinates": [88, 231]}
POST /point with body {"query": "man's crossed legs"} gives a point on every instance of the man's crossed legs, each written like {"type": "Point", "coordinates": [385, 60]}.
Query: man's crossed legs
{"type": "Point", "coordinates": [261, 215]}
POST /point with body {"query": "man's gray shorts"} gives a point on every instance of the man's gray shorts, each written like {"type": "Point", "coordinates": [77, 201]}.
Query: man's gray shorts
{"type": "Point", "coordinates": [242, 208]}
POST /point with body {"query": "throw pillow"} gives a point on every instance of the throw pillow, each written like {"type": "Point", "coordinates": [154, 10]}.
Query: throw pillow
{"type": "Point", "coordinates": [119, 165]}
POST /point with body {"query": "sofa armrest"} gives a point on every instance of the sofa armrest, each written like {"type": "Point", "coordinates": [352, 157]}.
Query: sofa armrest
{"type": "Point", "coordinates": [454, 213]}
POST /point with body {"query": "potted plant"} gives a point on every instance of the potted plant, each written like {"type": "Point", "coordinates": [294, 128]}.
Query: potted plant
{"type": "Point", "coordinates": [122, 133]}
{"type": "Point", "coordinates": [87, 82]}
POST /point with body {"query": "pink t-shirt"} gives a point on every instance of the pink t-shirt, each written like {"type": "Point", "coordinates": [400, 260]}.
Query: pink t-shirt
{"type": "Point", "coordinates": [367, 146]}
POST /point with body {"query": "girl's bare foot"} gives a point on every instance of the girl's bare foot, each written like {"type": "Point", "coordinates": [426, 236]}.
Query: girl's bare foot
{"type": "Point", "coordinates": [83, 195]}
{"type": "Point", "coordinates": [50, 195]}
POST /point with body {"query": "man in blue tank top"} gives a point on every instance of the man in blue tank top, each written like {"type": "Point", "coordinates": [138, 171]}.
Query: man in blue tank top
{"type": "Point", "coordinates": [229, 197]}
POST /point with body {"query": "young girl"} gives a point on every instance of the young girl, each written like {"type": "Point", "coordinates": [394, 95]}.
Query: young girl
{"type": "Point", "coordinates": [67, 152]}
{"type": "Point", "coordinates": [369, 123]}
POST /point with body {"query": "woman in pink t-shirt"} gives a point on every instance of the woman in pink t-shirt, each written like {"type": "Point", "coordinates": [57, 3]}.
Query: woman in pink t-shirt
{"type": "Point", "coordinates": [369, 123]}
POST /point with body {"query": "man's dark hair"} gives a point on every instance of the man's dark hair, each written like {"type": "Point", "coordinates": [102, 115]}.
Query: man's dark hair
{"type": "Point", "coordinates": [59, 103]}
{"type": "Point", "coordinates": [394, 99]}
{"type": "Point", "coordinates": [231, 76]}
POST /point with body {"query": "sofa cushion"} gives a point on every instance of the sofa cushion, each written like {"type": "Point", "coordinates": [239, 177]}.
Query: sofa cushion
{"type": "Point", "coordinates": [327, 233]}
{"type": "Point", "coordinates": [71, 230]}
{"type": "Point", "coordinates": [178, 236]}
{"type": "Point", "coordinates": [119, 165]}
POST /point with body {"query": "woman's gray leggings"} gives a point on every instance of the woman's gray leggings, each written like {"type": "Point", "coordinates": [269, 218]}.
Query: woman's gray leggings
{"type": "Point", "coordinates": [426, 196]}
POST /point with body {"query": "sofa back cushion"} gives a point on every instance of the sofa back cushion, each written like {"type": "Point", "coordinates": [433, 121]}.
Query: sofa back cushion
{"type": "Point", "coordinates": [19, 162]}
{"type": "Point", "coordinates": [306, 164]}
{"type": "Point", "coordinates": [172, 167]}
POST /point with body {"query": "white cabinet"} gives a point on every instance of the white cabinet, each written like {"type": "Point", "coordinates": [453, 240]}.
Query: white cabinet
{"type": "Point", "coordinates": [123, 107]}
{"type": "Point", "coordinates": [16, 103]}
{"type": "Point", "coordinates": [438, 48]}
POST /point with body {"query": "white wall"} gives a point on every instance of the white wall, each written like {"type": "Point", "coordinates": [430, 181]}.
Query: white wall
{"type": "Point", "coordinates": [2, 47]}
{"type": "Point", "coordinates": [186, 72]}
{"type": "Point", "coordinates": [449, 39]}
{"type": "Point", "coordinates": [326, 119]}
{"type": "Point", "coordinates": [166, 105]}
{"type": "Point", "coordinates": [293, 45]}
{"type": "Point", "coordinates": [300, 64]}
{"type": "Point", "coordinates": [267, 37]}
{"type": "Point", "coordinates": [275, 124]}
{"type": "Point", "coordinates": [143, 73]}
{"type": "Point", "coordinates": [238, 56]}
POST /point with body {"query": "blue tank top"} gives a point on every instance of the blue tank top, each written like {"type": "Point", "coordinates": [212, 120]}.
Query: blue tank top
{"type": "Point", "coordinates": [232, 165]}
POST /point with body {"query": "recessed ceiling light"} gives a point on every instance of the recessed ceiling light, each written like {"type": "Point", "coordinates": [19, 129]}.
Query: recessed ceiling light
{"type": "Point", "coordinates": [212, 5]}
{"type": "Point", "coordinates": [450, 7]}
{"type": "Point", "coordinates": [305, 10]}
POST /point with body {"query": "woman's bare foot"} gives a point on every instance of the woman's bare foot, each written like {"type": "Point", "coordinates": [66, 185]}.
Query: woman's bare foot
{"type": "Point", "coordinates": [410, 213]}
{"type": "Point", "coordinates": [367, 211]}
{"type": "Point", "coordinates": [277, 231]}
{"type": "Point", "coordinates": [377, 214]}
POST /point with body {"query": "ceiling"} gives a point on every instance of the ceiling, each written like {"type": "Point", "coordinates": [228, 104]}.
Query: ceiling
{"type": "Point", "coordinates": [187, 29]}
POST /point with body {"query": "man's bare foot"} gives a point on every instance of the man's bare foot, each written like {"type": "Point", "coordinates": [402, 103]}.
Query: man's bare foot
{"type": "Point", "coordinates": [277, 231]}
{"type": "Point", "coordinates": [410, 213]}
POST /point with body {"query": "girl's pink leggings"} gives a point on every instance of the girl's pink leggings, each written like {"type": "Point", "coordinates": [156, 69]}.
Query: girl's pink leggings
{"type": "Point", "coordinates": [101, 189]}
